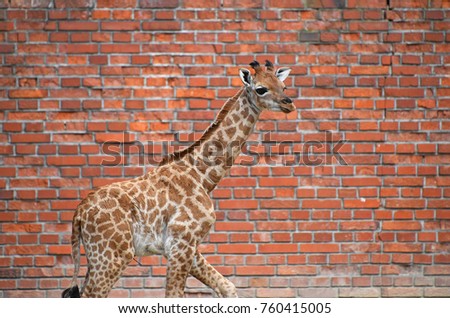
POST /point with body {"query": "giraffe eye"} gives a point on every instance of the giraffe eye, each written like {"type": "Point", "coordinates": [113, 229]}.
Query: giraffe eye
{"type": "Point", "coordinates": [261, 90]}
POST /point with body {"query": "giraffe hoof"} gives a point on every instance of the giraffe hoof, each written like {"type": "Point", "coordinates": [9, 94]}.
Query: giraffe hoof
{"type": "Point", "coordinates": [72, 292]}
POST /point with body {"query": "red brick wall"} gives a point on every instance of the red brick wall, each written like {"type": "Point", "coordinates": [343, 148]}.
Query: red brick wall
{"type": "Point", "coordinates": [81, 72]}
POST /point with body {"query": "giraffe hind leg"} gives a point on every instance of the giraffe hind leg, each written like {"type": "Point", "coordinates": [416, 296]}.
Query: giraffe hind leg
{"type": "Point", "coordinates": [103, 275]}
{"type": "Point", "coordinates": [107, 239]}
{"type": "Point", "coordinates": [107, 260]}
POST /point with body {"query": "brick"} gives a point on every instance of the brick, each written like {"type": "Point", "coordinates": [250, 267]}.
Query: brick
{"type": "Point", "coordinates": [366, 228]}
{"type": "Point", "coordinates": [28, 93]}
{"type": "Point", "coordinates": [366, 3]}
{"type": "Point", "coordinates": [277, 181]}
{"type": "Point", "coordinates": [233, 226]}
{"type": "Point", "coordinates": [278, 248]}
{"type": "Point", "coordinates": [359, 292]}
{"type": "Point", "coordinates": [368, 26]}
{"type": "Point", "coordinates": [242, 3]}
{"type": "Point", "coordinates": [78, 48]}
{"type": "Point", "coordinates": [306, 36]}
{"type": "Point", "coordinates": [78, 26]}
{"type": "Point", "coordinates": [114, 138]}
{"type": "Point", "coordinates": [159, 4]}
{"type": "Point", "coordinates": [120, 26]}
{"type": "Point", "coordinates": [396, 204]}
{"type": "Point", "coordinates": [30, 138]}
{"type": "Point", "coordinates": [444, 237]}
{"type": "Point", "coordinates": [319, 248]}
{"type": "Point", "coordinates": [366, 70]}
{"type": "Point", "coordinates": [401, 292]}
{"type": "Point", "coordinates": [117, 3]}
{"type": "Point", "coordinates": [437, 292]}
{"type": "Point", "coordinates": [161, 25]}
{"type": "Point", "coordinates": [277, 204]}
{"type": "Point", "coordinates": [297, 270]}
{"type": "Point", "coordinates": [321, 204]}
{"type": "Point", "coordinates": [358, 225]}
{"type": "Point", "coordinates": [30, 3]}
{"type": "Point", "coordinates": [361, 92]}
{"type": "Point", "coordinates": [255, 270]}
{"type": "Point", "coordinates": [408, 4]}
{"type": "Point", "coordinates": [63, 4]}
{"type": "Point", "coordinates": [404, 92]}
{"type": "Point", "coordinates": [238, 204]}
{"type": "Point", "coordinates": [402, 248]}
{"type": "Point", "coordinates": [66, 161]}
{"type": "Point", "coordinates": [362, 203]}
{"type": "Point", "coordinates": [119, 48]}
{"type": "Point", "coordinates": [318, 292]}
{"type": "Point", "coordinates": [405, 226]}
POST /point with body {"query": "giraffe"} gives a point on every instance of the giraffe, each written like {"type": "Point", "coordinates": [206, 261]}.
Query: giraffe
{"type": "Point", "coordinates": [168, 211]}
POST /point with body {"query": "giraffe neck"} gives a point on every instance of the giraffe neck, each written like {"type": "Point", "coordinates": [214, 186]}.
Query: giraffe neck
{"type": "Point", "coordinates": [213, 155]}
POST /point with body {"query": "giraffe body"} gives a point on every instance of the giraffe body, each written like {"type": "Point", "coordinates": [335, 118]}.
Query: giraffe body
{"type": "Point", "coordinates": [168, 211]}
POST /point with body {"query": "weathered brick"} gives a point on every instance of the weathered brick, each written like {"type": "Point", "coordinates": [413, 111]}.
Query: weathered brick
{"type": "Point", "coordinates": [63, 4]}
{"type": "Point", "coordinates": [359, 292]}
{"type": "Point", "coordinates": [408, 4]}
{"type": "Point", "coordinates": [242, 3]}
{"type": "Point", "coordinates": [30, 3]}
{"type": "Point", "coordinates": [117, 3]}
{"type": "Point", "coordinates": [169, 4]}
{"type": "Point", "coordinates": [401, 292]}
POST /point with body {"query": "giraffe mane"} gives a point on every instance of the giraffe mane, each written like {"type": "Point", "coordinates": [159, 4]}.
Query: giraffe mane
{"type": "Point", "coordinates": [207, 133]}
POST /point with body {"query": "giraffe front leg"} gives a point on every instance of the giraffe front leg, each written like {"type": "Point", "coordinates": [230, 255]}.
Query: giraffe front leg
{"type": "Point", "coordinates": [209, 276]}
{"type": "Point", "coordinates": [179, 263]}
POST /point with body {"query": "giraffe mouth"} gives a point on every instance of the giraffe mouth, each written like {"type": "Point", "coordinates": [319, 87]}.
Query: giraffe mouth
{"type": "Point", "coordinates": [287, 108]}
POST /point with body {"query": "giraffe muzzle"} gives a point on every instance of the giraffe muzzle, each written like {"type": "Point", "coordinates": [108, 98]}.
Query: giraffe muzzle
{"type": "Point", "coordinates": [286, 105]}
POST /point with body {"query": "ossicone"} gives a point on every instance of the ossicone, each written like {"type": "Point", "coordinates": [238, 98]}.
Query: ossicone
{"type": "Point", "coordinates": [255, 65]}
{"type": "Point", "coordinates": [269, 66]}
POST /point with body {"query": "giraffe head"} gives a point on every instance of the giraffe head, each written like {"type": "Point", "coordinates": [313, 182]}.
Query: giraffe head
{"type": "Point", "coordinates": [266, 87]}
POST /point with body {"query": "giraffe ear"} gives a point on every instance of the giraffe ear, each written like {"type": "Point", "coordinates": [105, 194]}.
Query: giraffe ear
{"type": "Point", "coordinates": [282, 73]}
{"type": "Point", "coordinates": [245, 76]}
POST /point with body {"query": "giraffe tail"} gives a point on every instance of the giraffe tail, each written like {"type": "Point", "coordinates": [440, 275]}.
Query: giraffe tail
{"type": "Point", "coordinates": [73, 291]}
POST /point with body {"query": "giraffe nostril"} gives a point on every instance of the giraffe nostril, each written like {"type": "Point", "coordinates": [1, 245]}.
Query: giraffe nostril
{"type": "Point", "coordinates": [286, 100]}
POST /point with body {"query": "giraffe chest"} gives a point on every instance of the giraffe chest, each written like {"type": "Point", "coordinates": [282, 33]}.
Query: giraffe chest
{"type": "Point", "coordinates": [147, 242]}
{"type": "Point", "coordinates": [171, 205]}
{"type": "Point", "coordinates": [150, 231]}
{"type": "Point", "coordinates": [150, 225]}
